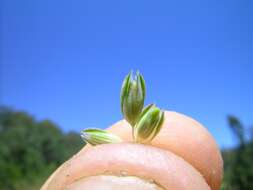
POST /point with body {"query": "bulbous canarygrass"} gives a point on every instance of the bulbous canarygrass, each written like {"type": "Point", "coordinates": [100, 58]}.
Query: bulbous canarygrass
{"type": "Point", "coordinates": [149, 124]}
{"type": "Point", "coordinates": [132, 97]}
{"type": "Point", "coordinates": [98, 136]}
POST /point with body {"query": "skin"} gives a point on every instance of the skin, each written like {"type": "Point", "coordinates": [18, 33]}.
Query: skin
{"type": "Point", "coordinates": [182, 156]}
{"type": "Point", "coordinates": [109, 182]}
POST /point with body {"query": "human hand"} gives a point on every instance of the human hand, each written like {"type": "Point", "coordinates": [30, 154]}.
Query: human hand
{"type": "Point", "coordinates": [182, 156]}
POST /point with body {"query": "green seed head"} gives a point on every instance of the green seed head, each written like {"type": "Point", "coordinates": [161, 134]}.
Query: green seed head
{"type": "Point", "coordinates": [149, 124]}
{"type": "Point", "coordinates": [132, 97]}
{"type": "Point", "coordinates": [146, 123]}
{"type": "Point", "coordinates": [98, 136]}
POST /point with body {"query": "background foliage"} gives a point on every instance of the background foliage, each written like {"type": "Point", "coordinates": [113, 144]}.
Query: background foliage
{"type": "Point", "coordinates": [238, 163]}
{"type": "Point", "coordinates": [30, 150]}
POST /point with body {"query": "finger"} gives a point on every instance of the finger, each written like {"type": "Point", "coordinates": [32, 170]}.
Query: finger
{"type": "Point", "coordinates": [188, 139]}
{"type": "Point", "coordinates": [146, 162]}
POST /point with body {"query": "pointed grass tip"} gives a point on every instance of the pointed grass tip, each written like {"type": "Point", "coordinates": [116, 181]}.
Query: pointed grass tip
{"type": "Point", "coordinates": [149, 124]}
{"type": "Point", "coordinates": [99, 136]}
{"type": "Point", "coordinates": [132, 96]}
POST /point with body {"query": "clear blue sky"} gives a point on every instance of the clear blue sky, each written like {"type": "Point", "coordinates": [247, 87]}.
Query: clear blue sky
{"type": "Point", "coordinates": [65, 60]}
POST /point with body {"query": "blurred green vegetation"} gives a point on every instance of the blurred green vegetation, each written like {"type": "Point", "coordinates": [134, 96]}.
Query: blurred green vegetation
{"type": "Point", "coordinates": [31, 150]}
{"type": "Point", "coordinates": [238, 162]}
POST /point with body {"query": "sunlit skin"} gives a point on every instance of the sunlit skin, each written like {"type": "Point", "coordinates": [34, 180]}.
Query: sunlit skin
{"type": "Point", "coordinates": [182, 156]}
